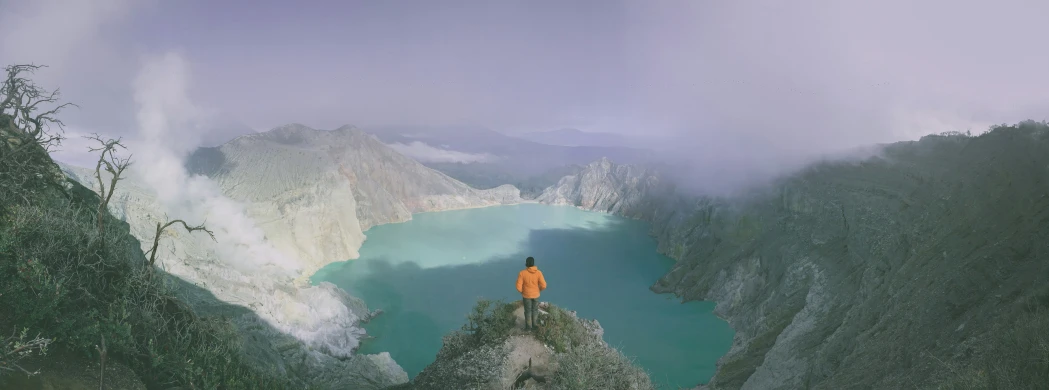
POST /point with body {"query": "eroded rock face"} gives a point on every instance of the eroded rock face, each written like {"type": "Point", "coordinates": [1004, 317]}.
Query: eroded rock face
{"type": "Point", "coordinates": [313, 194]}
{"type": "Point", "coordinates": [605, 186]}
{"type": "Point", "coordinates": [865, 272]}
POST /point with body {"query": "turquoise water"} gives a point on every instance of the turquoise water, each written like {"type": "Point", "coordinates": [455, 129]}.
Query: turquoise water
{"type": "Point", "coordinates": [427, 273]}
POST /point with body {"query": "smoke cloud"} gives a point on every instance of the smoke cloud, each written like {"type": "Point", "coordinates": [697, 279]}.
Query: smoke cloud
{"type": "Point", "coordinates": [755, 86]}
{"type": "Point", "coordinates": [169, 127]}
{"type": "Point", "coordinates": [168, 122]}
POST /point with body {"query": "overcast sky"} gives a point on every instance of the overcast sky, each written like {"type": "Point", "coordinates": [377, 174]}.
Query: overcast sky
{"type": "Point", "coordinates": [797, 76]}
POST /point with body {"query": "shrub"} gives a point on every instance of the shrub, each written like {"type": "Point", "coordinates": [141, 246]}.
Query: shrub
{"type": "Point", "coordinates": [561, 330]}
{"type": "Point", "coordinates": [490, 322]}
{"type": "Point", "coordinates": [472, 354]}
{"type": "Point", "coordinates": [598, 366]}
{"type": "Point", "coordinates": [57, 278]}
{"type": "Point", "coordinates": [18, 347]}
{"type": "Point", "coordinates": [77, 277]}
{"type": "Point", "coordinates": [1014, 356]}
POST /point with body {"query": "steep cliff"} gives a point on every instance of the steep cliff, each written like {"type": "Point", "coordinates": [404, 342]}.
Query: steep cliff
{"type": "Point", "coordinates": [313, 194]}
{"type": "Point", "coordinates": [902, 270]}
{"type": "Point", "coordinates": [301, 184]}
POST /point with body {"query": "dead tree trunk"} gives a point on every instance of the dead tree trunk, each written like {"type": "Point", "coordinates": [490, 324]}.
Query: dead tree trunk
{"type": "Point", "coordinates": [115, 166]}
{"type": "Point", "coordinates": [160, 229]}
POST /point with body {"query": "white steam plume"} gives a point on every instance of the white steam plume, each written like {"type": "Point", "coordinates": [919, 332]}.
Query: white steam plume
{"type": "Point", "coordinates": [166, 120]}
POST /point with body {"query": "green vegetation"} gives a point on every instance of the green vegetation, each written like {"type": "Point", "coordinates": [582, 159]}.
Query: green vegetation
{"type": "Point", "coordinates": [924, 266]}
{"type": "Point", "coordinates": [490, 322]}
{"type": "Point", "coordinates": [561, 331]}
{"type": "Point", "coordinates": [18, 347]}
{"type": "Point", "coordinates": [1013, 356]}
{"type": "Point", "coordinates": [472, 356]}
{"type": "Point", "coordinates": [596, 366]}
{"type": "Point", "coordinates": [80, 280]}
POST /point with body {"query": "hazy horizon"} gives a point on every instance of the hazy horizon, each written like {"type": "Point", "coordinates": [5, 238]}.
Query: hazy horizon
{"type": "Point", "coordinates": [753, 85]}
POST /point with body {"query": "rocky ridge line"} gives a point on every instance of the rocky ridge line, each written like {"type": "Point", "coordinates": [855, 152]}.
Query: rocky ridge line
{"type": "Point", "coordinates": [888, 272]}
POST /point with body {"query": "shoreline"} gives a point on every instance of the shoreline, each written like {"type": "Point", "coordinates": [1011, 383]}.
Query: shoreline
{"type": "Point", "coordinates": [368, 338]}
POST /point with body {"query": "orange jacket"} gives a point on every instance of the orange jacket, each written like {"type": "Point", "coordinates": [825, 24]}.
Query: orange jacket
{"type": "Point", "coordinates": [530, 282]}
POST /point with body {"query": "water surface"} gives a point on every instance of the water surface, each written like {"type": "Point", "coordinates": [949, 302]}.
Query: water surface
{"type": "Point", "coordinates": [427, 273]}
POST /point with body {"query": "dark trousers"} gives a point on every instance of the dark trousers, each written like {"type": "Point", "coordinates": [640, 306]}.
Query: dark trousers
{"type": "Point", "coordinates": [531, 311]}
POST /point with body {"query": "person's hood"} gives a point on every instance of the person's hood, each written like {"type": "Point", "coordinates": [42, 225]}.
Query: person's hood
{"type": "Point", "coordinates": [532, 269]}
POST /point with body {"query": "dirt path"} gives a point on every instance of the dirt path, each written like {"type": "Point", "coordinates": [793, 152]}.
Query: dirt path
{"type": "Point", "coordinates": [525, 347]}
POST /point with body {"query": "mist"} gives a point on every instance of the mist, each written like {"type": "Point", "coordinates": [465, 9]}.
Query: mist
{"type": "Point", "coordinates": [740, 91]}
{"type": "Point", "coordinates": [425, 153]}
{"type": "Point", "coordinates": [167, 118]}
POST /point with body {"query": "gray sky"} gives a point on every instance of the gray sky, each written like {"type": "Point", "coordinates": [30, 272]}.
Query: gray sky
{"type": "Point", "coordinates": [796, 77]}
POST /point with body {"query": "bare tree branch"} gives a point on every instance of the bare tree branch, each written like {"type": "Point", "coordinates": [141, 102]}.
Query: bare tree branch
{"type": "Point", "coordinates": [18, 347]}
{"type": "Point", "coordinates": [156, 237]}
{"type": "Point", "coordinates": [115, 166]}
{"type": "Point", "coordinates": [29, 130]}
{"type": "Point", "coordinates": [20, 99]}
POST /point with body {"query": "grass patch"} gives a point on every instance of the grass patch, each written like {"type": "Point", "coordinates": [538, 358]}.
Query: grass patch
{"type": "Point", "coordinates": [596, 366]}
{"type": "Point", "coordinates": [1014, 356]}
{"type": "Point", "coordinates": [489, 323]}
{"type": "Point", "coordinates": [561, 331]}
{"type": "Point", "coordinates": [584, 361]}
{"type": "Point", "coordinates": [57, 279]}
{"type": "Point", "coordinates": [76, 277]}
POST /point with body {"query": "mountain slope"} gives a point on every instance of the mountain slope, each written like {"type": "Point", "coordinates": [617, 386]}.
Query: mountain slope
{"type": "Point", "coordinates": [494, 351]}
{"type": "Point", "coordinates": [301, 184]}
{"type": "Point", "coordinates": [85, 307]}
{"type": "Point", "coordinates": [312, 193]}
{"type": "Point", "coordinates": [508, 160]}
{"type": "Point", "coordinates": [905, 270]}
{"type": "Point", "coordinates": [609, 187]}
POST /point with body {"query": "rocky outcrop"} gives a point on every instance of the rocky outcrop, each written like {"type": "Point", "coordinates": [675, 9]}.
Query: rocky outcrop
{"type": "Point", "coordinates": [608, 187]}
{"type": "Point", "coordinates": [884, 273]}
{"type": "Point", "coordinates": [312, 194]}
{"type": "Point", "coordinates": [566, 352]}
{"type": "Point", "coordinates": [315, 192]}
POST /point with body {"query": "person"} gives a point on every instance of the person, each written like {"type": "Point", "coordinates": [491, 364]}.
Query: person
{"type": "Point", "coordinates": [530, 282]}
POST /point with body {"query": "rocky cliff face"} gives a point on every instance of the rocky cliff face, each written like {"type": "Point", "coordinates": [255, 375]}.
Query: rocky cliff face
{"type": "Point", "coordinates": [605, 186]}
{"type": "Point", "coordinates": [313, 194]}
{"type": "Point", "coordinates": [493, 351]}
{"type": "Point", "coordinates": [892, 272]}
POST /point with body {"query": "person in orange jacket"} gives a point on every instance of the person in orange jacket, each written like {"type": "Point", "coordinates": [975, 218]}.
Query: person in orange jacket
{"type": "Point", "coordinates": [530, 282]}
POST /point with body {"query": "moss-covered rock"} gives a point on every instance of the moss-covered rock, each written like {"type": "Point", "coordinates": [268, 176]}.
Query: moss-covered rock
{"type": "Point", "coordinates": [493, 351]}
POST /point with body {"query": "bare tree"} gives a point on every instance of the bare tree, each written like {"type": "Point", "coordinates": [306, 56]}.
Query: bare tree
{"type": "Point", "coordinates": [160, 229]}
{"type": "Point", "coordinates": [115, 166]}
{"type": "Point", "coordinates": [29, 129]}
{"type": "Point", "coordinates": [20, 99]}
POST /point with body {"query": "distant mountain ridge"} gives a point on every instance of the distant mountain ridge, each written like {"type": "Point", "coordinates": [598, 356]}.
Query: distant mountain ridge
{"type": "Point", "coordinates": [292, 169]}
{"type": "Point", "coordinates": [923, 266]}
{"type": "Point", "coordinates": [492, 158]}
